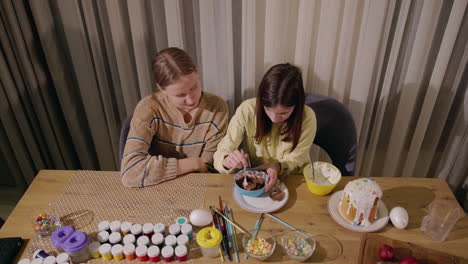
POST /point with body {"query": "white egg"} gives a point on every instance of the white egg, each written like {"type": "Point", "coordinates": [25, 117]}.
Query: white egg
{"type": "Point", "coordinates": [200, 217]}
{"type": "Point", "coordinates": [399, 217]}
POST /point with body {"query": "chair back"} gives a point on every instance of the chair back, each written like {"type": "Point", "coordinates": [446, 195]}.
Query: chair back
{"type": "Point", "coordinates": [336, 131]}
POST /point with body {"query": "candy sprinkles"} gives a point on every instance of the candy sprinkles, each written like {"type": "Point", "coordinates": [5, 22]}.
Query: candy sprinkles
{"type": "Point", "coordinates": [44, 224]}
{"type": "Point", "coordinates": [259, 247]}
{"type": "Point", "coordinates": [298, 247]}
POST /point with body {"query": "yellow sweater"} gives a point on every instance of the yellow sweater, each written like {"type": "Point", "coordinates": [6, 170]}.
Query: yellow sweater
{"type": "Point", "coordinates": [271, 149]}
{"type": "Point", "coordinates": [158, 123]}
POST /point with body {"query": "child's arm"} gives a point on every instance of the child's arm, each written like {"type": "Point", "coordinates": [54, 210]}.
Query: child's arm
{"type": "Point", "coordinates": [232, 140]}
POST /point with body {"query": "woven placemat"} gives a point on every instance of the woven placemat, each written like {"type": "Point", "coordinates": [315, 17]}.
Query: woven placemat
{"type": "Point", "coordinates": [91, 197]}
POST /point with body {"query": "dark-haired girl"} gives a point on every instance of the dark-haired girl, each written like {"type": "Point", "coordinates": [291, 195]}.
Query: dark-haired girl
{"type": "Point", "coordinates": [277, 128]}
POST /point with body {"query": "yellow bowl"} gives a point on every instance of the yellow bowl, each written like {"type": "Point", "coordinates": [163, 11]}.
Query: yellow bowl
{"type": "Point", "coordinates": [316, 187]}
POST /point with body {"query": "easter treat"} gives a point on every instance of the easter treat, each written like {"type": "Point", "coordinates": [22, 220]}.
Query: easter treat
{"type": "Point", "coordinates": [259, 247]}
{"type": "Point", "coordinates": [251, 180]}
{"type": "Point", "coordinates": [399, 217]}
{"type": "Point", "coordinates": [45, 224]}
{"type": "Point", "coordinates": [298, 247]}
{"type": "Point", "coordinates": [276, 193]}
{"type": "Point", "coordinates": [360, 201]}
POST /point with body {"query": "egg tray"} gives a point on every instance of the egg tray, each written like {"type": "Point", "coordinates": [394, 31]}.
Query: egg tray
{"type": "Point", "coordinates": [92, 196]}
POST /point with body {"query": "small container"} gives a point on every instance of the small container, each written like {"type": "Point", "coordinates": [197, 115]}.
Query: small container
{"type": "Point", "coordinates": [94, 249]}
{"type": "Point", "coordinates": [77, 247]}
{"type": "Point", "coordinates": [40, 254]}
{"type": "Point", "coordinates": [181, 253]}
{"type": "Point", "coordinates": [171, 241]}
{"type": "Point", "coordinates": [115, 226]}
{"type": "Point", "coordinates": [129, 251]}
{"type": "Point", "coordinates": [24, 261]}
{"type": "Point", "coordinates": [104, 226]}
{"type": "Point", "coordinates": [37, 261]}
{"type": "Point", "coordinates": [142, 253]}
{"type": "Point", "coordinates": [60, 235]}
{"type": "Point", "coordinates": [63, 258]}
{"type": "Point", "coordinates": [182, 240]}
{"type": "Point", "coordinates": [263, 238]}
{"type": "Point", "coordinates": [117, 252]}
{"type": "Point", "coordinates": [136, 230]}
{"type": "Point", "coordinates": [159, 228]}
{"type": "Point", "coordinates": [105, 251]}
{"type": "Point", "coordinates": [103, 237]}
{"type": "Point", "coordinates": [125, 228]}
{"type": "Point", "coordinates": [297, 246]}
{"type": "Point", "coordinates": [167, 253]}
{"type": "Point", "coordinates": [157, 239]}
{"type": "Point", "coordinates": [187, 229]}
{"type": "Point", "coordinates": [209, 239]}
{"type": "Point", "coordinates": [143, 241]}
{"type": "Point", "coordinates": [181, 220]}
{"type": "Point", "coordinates": [321, 177]}
{"type": "Point", "coordinates": [174, 229]}
{"type": "Point", "coordinates": [148, 230]}
{"type": "Point", "coordinates": [45, 223]}
{"type": "Point", "coordinates": [115, 238]}
{"type": "Point", "coordinates": [49, 260]}
{"type": "Point", "coordinates": [153, 254]}
{"type": "Point", "coordinates": [129, 239]}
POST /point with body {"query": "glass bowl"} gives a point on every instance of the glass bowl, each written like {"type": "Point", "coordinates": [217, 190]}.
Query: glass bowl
{"type": "Point", "coordinates": [259, 244]}
{"type": "Point", "coordinates": [45, 222]}
{"type": "Point", "coordinates": [297, 246]}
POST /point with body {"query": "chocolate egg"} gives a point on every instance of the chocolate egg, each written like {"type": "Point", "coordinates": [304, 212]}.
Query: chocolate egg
{"type": "Point", "coordinates": [399, 217]}
{"type": "Point", "coordinates": [200, 217]}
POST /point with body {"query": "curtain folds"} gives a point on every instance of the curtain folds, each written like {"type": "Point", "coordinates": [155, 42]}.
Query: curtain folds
{"type": "Point", "coordinates": [71, 71]}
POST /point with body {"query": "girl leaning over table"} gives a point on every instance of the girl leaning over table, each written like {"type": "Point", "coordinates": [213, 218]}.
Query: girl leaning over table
{"type": "Point", "coordinates": [175, 130]}
{"type": "Point", "coordinates": [277, 128]}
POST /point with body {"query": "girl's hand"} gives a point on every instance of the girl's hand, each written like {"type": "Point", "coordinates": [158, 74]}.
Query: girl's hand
{"type": "Point", "coordinates": [236, 160]}
{"type": "Point", "coordinates": [273, 169]}
{"type": "Point", "coordinates": [273, 175]}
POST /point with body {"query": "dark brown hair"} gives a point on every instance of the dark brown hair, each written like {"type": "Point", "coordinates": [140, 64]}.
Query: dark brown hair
{"type": "Point", "coordinates": [281, 85]}
{"type": "Point", "coordinates": [171, 63]}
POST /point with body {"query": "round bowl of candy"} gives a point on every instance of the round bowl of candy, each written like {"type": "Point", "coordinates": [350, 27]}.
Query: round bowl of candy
{"type": "Point", "coordinates": [251, 182]}
{"type": "Point", "coordinates": [45, 223]}
{"type": "Point", "coordinates": [259, 244]}
{"type": "Point", "coordinates": [298, 246]}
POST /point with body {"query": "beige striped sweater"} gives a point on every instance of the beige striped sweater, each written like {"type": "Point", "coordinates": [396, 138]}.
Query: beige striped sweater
{"type": "Point", "coordinates": [158, 122]}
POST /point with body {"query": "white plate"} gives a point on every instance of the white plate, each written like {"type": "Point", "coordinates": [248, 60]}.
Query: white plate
{"type": "Point", "coordinates": [335, 213]}
{"type": "Point", "coordinates": [261, 204]}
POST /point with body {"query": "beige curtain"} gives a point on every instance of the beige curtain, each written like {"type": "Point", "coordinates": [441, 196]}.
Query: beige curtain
{"type": "Point", "coordinates": [399, 66]}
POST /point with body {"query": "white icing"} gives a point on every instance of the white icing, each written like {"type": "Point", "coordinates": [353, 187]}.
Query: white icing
{"type": "Point", "coordinates": [362, 194]}
{"type": "Point", "coordinates": [324, 174]}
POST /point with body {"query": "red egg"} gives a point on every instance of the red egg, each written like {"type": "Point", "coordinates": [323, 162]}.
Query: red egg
{"type": "Point", "coordinates": [386, 252]}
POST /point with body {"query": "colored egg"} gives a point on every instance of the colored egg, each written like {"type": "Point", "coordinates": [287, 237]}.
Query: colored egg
{"type": "Point", "coordinates": [200, 217]}
{"type": "Point", "coordinates": [399, 217]}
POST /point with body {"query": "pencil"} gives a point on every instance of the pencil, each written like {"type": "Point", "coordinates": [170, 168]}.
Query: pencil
{"type": "Point", "coordinates": [232, 222]}
{"type": "Point", "coordinates": [233, 235]}
{"type": "Point", "coordinates": [288, 225]}
{"type": "Point", "coordinates": [215, 226]}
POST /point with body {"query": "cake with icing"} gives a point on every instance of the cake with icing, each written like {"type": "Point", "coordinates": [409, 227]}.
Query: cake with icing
{"type": "Point", "coordinates": [360, 201]}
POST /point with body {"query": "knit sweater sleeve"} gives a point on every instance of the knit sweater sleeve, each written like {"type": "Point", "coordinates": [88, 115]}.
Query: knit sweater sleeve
{"type": "Point", "coordinates": [217, 131]}
{"type": "Point", "coordinates": [138, 167]}
{"type": "Point", "coordinates": [234, 136]}
{"type": "Point", "coordinates": [300, 156]}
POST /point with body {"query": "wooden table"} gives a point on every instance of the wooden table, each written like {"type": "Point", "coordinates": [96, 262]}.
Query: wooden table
{"type": "Point", "coordinates": [304, 210]}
